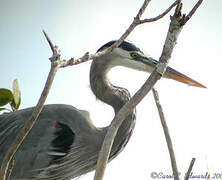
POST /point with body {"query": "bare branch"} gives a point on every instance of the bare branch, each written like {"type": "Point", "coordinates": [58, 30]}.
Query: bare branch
{"type": "Point", "coordinates": [109, 138]}
{"type": "Point", "coordinates": [84, 58]}
{"type": "Point", "coordinates": [161, 15]}
{"type": "Point", "coordinates": [173, 32]}
{"type": "Point", "coordinates": [142, 9]}
{"type": "Point", "coordinates": [167, 135]}
{"type": "Point", "coordinates": [130, 28]}
{"type": "Point", "coordinates": [49, 41]}
{"type": "Point", "coordinates": [27, 127]}
{"type": "Point", "coordinates": [135, 23]}
{"type": "Point", "coordinates": [190, 169]}
{"type": "Point", "coordinates": [73, 61]}
{"type": "Point", "coordinates": [117, 121]}
{"type": "Point", "coordinates": [193, 11]}
{"type": "Point", "coordinates": [88, 56]}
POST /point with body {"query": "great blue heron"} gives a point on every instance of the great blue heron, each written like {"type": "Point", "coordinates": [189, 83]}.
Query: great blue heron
{"type": "Point", "coordinates": [64, 143]}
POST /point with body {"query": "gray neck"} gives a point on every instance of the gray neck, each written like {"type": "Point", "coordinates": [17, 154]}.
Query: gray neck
{"type": "Point", "coordinates": [103, 89]}
{"type": "Point", "coordinates": [114, 96]}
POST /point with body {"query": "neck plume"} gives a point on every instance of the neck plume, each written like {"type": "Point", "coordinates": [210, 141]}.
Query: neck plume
{"type": "Point", "coordinates": [114, 96]}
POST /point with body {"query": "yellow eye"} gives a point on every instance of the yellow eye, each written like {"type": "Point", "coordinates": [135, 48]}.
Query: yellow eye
{"type": "Point", "coordinates": [134, 55]}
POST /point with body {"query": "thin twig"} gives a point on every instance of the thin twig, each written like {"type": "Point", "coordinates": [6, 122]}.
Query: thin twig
{"type": "Point", "coordinates": [167, 135]}
{"type": "Point", "coordinates": [159, 16]}
{"type": "Point", "coordinates": [73, 61]}
{"type": "Point", "coordinates": [190, 14]}
{"type": "Point", "coordinates": [49, 41]}
{"type": "Point", "coordinates": [190, 169]}
{"type": "Point", "coordinates": [130, 28]}
{"type": "Point", "coordinates": [28, 126]}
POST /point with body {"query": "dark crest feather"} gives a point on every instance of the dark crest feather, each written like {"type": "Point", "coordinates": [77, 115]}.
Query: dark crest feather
{"type": "Point", "coordinates": [125, 45]}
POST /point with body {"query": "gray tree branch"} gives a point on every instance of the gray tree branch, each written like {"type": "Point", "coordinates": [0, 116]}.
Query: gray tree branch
{"type": "Point", "coordinates": [190, 169]}
{"type": "Point", "coordinates": [169, 141]}
{"type": "Point", "coordinates": [159, 16]}
{"type": "Point", "coordinates": [177, 22]}
{"type": "Point", "coordinates": [27, 127]}
{"type": "Point", "coordinates": [167, 135]}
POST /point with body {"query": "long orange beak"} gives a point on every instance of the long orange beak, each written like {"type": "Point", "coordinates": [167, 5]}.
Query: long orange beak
{"type": "Point", "coordinates": [173, 74]}
{"type": "Point", "coordinates": [170, 72]}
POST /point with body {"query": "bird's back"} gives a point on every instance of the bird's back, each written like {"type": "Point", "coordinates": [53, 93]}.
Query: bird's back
{"type": "Point", "coordinates": [60, 129]}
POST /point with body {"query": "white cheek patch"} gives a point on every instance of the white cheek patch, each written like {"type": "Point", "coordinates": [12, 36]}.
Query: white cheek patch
{"type": "Point", "coordinates": [130, 63]}
{"type": "Point", "coordinates": [123, 58]}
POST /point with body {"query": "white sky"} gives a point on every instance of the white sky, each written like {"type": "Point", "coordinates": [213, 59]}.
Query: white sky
{"type": "Point", "coordinates": [193, 115]}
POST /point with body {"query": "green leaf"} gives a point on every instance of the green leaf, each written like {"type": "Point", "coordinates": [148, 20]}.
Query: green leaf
{"type": "Point", "coordinates": [17, 95]}
{"type": "Point", "coordinates": [6, 96]}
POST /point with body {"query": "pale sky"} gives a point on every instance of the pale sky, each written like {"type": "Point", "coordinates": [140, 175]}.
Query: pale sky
{"type": "Point", "coordinates": [193, 114]}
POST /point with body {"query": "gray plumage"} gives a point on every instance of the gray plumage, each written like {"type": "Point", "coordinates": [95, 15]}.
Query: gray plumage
{"type": "Point", "coordinates": [39, 158]}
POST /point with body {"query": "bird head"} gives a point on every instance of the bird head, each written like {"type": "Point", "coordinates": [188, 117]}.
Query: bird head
{"type": "Point", "coordinates": [128, 55]}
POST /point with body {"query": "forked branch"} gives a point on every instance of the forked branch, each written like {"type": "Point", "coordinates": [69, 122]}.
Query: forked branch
{"type": "Point", "coordinates": [161, 15]}
{"type": "Point", "coordinates": [173, 32]}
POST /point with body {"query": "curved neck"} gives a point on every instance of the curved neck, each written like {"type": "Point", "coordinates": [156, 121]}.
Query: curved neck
{"type": "Point", "coordinates": [102, 88]}
{"type": "Point", "coordinates": [114, 96]}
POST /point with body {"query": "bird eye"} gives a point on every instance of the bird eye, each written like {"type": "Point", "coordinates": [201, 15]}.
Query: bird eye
{"type": "Point", "coordinates": [134, 55]}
